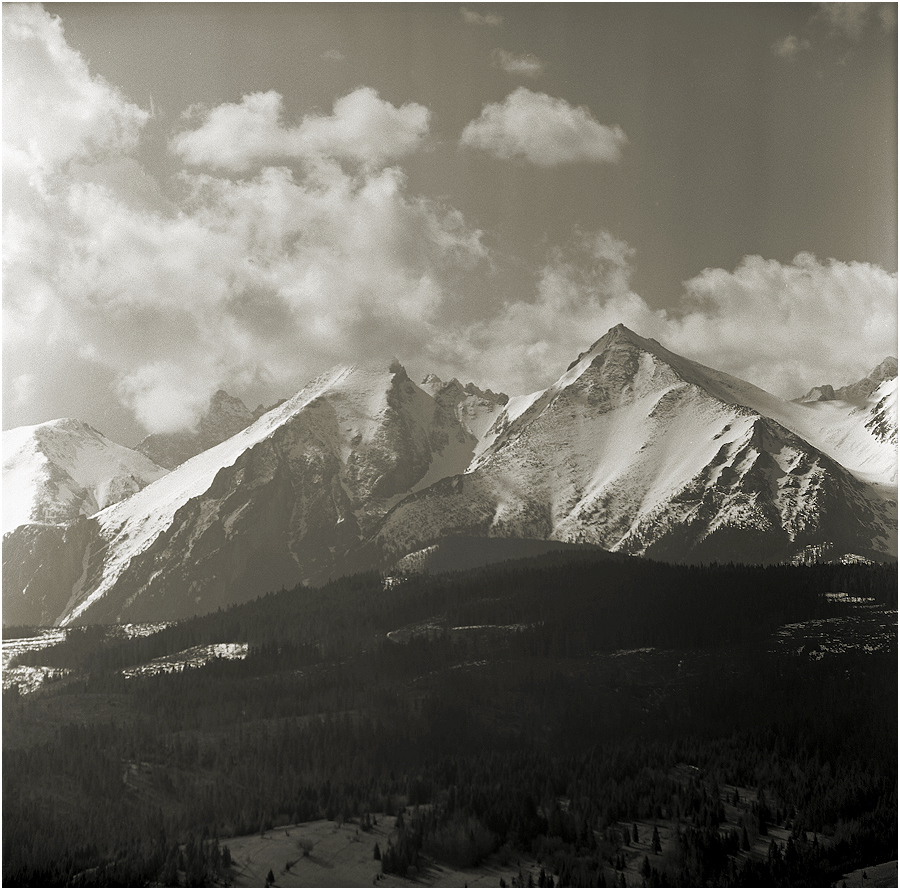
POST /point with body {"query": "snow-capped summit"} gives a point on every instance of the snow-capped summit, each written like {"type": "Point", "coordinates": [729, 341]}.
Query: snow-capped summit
{"type": "Point", "coordinates": [59, 470]}
{"type": "Point", "coordinates": [225, 416]}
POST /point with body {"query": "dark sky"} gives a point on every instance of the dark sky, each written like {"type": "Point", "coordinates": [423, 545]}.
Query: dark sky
{"type": "Point", "coordinates": [760, 131]}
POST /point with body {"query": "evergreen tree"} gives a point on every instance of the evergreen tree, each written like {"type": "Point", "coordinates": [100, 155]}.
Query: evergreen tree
{"type": "Point", "coordinates": [655, 844]}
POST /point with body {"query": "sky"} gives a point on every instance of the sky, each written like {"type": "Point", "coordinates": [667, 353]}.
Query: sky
{"type": "Point", "coordinates": [241, 196]}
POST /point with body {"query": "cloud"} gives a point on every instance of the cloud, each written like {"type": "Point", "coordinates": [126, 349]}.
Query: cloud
{"type": "Point", "coordinates": [260, 282]}
{"type": "Point", "coordinates": [334, 55]}
{"type": "Point", "coordinates": [852, 19]}
{"type": "Point", "coordinates": [518, 64]}
{"type": "Point", "coordinates": [112, 292]}
{"type": "Point", "coordinates": [241, 136]}
{"type": "Point", "coordinates": [470, 17]}
{"type": "Point", "coordinates": [788, 47]}
{"type": "Point", "coordinates": [543, 131]}
{"type": "Point", "coordinates": [76, 115]}
{"type": "Point", "coordinates": [788, 326]}
{"type": "Point", "coordinates": [783, 326]}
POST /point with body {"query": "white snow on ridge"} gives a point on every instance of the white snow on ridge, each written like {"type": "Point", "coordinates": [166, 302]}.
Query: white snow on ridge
{"type": "Point", "coordinates": [188, 658]}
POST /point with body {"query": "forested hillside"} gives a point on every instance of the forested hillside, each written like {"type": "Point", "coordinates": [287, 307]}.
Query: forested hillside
{"type": "Point", "coordinates": [544, 707]}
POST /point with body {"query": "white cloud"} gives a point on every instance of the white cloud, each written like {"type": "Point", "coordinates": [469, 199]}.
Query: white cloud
{"type": "Point", "coordinates": [786, 327]}
{"type": "Point", "coordinates": [261, 283]}
{"type": "Point", "coordinates": [783, 326]}
{"type": "Point", "coordinates": [334, 55]}
{"type": "Point", "coordinates": [849, 19]}
{"type": "Point", "coordinates": [517, 64]}
{"type": "Point", "coordinates": [542, 130]}
{"type": "Point", "coordinates": [788, 47]}
{"type": "Point", "coordinates": [363, 128]}
{"type": "Point", "coordinates": [54, 110]}
{"type": "Point", "coordinates": [470, 17]}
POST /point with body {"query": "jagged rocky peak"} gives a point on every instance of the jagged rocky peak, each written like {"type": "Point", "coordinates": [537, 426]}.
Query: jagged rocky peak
{"type": "Point", "coordinates": [476, 409]}
{"type": "Point", "coordinates": [856, 392]}
{"type": "Point", "coordinates": [261, 409]}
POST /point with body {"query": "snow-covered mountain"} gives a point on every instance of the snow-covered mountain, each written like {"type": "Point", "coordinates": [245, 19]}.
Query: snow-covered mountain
{"type": "Point", "coordinates": [642, 451]}
{"type": "Point", "coordinates": [225, 416]}
{"type": "Point", "coordinates": [634, 448]}
{"type": "Point", "coordinates": [57, 471]}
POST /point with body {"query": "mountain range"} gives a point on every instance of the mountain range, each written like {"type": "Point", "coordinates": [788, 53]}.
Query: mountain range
{"type": "Point", "coordinates": [633, 449]}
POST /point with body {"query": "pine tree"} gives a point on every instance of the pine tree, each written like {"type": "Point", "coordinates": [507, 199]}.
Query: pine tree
{"type": "Point", "coordinates": [655, 844]}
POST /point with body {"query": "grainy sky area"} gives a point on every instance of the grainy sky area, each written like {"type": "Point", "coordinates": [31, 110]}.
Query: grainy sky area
{"type": "Point", "coordinates": [241, 196]}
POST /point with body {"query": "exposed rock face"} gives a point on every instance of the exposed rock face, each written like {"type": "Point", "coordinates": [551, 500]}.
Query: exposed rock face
{"type": "Point", "coordinates": [881, 420]}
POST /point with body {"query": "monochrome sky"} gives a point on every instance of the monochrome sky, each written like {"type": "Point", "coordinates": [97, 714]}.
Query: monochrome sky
{"type": "Point", "coordinates": [241, 196]}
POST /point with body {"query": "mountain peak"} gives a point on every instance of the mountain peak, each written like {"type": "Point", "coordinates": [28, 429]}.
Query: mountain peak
{"type": "Point", "coordinates": [617, 334]}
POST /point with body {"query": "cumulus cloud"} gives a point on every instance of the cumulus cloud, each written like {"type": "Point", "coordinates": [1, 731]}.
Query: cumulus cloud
{"type": "Point", "coordinates": [76, 116]}
{"type": "Point", "coordinates": [261, 282]}
{"type": "Point", "coordinates": [783, 326]}
{"type": "Point", "coordinates": [788, 326]}
{"type": "Point", "coordinates": [470, 17]}
{"type": "Point", "coordinates": [542, 130]}
{"type": "Point", "coordinates": [517, 64]}
{"type": "Point", "coordinates": [788, 47]}
{"type": "Point", "coordinates": [241, 136]}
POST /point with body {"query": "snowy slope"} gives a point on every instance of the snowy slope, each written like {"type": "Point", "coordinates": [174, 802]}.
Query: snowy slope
{"type": "Point", "coordinates": [57, 471]}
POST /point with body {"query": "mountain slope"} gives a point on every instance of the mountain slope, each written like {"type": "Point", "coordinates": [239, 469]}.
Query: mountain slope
{"type": "Point", "coordinates": [57, 471]}
{"type": "Point", "coordinates": [642, 451]}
